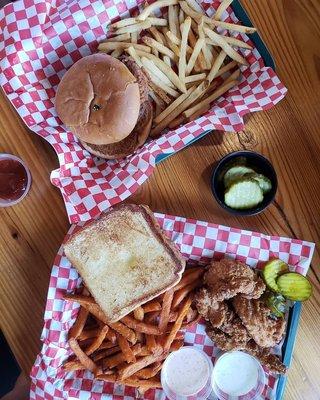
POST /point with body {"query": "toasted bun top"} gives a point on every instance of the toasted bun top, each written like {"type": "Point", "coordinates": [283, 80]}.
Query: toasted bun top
{"type": "Point", "coordinates": [98, 99]}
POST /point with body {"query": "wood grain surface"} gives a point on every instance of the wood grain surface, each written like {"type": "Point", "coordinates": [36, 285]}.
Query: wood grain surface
{"type": "Point", "coordinates": [288, 134]}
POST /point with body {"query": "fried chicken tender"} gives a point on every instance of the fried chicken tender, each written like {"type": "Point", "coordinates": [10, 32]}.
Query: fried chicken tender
{"type": "Point", "coordinates": [211, 310]}
{"type": "Point", "coordinates": [256, 317]}
{"type": "Point", "coordinates": [227, 278]}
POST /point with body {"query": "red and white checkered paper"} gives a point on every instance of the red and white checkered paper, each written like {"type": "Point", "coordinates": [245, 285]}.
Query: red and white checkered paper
{"type": "Point", "coordinates": [41, 39]}
{"type": "Point", "coordinates": [198, 241]}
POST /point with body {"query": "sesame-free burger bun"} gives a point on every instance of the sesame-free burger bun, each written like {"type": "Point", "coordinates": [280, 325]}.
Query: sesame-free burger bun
{"type": "Point", "coordinates": [98, 99]}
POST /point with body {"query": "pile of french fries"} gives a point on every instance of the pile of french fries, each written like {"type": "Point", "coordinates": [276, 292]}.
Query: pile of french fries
{"type": "Point", "coordinates": [132, 350]}
{"type": "Point", "coordinates": [183, 55]}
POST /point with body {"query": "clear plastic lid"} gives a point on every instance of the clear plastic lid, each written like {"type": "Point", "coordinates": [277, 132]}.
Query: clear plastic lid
{"type": "Point", "coordinates": [238, 376]}
{"type": "Point", "coordinates": [186, 374]}
{"type": "Point", "coordinates": [15, 180]}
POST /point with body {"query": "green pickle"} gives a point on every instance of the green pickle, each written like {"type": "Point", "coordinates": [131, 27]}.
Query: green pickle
{"type": "Point", "coordinates": [294, 286]}
{"type": "Point", "coordinates": [271, 271]}
{"type": "Point", "coordinates": [277, 304]}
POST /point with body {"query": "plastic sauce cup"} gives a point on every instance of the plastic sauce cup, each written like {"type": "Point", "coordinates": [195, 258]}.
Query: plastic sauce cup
{"type": "Point", "coordinates": [186, 375]}
{"type": "Point", "coordinates": [15, 180]}
{"type": "Point", "coordinates": [238, 376]}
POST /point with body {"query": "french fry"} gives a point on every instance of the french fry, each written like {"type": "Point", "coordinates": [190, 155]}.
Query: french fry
{"type": "Point", "coordinates": [107, 377]}
{"type": "Point", "coordinates": [162, 85]}
{"type": "Point", "coordinates": [165, 312]}
{"type": "Point", "coordinates": [163, 96]}
{"type": "Point", "coordinates": [199, 113]}
{"type": "Point", "coordinates": [220, 40]}
{"type": "Point", "coordinates": [208, 57]}
{"type": "Point", "coordinates": [158, 36]}
{"type": "Point", "coordinates": [116, 53]}
{"type": "Point", "coordinates": [175, 40]}
{"type": "Point", "coordinates": [110, 46]}
{"type": "Point", "coordinates": [200, 63]}
{"type": "Point", "coordinates": [232, 41]}
{"type": "Point", "coordinates": [168, 71]}
{"type": "Point", "coordinates": [174, 48]}
{"type": "Point", "coordinates": [143, 362]}
{"type": "Point", "coordinates": [105, 353]}
{"type": "Point", "coordinates": [149, 372]}
{"type": "Point", "coordinates": [73, 365]}
{"type": "Point", "coordinates": [107, 345]}
{"type": "Point", "coordinates": [167, 60]}
{"type": "Point", "coordinates": [122, 23]}
{"type": "Point", "coordinates": [158, 101]}
{"type": "Point", "coordinates": [183, 49]}
{"type": "Point", "coordinates": [154, 6]}
{"type": "Point", "coordinates": [182, 293]}
{"type": "Point", "coordinates": [138, 27]}
{"type": "Point", "coordinates": [83, 358]}
{"type": "Point", "coordinates": [98, 341]}
{"type": "Point", "coordinates": [221, 9]}
{"type": "Point", "coordinates": [177, 122]}
{"type": "Point", "coordinates": [155, 52]}
{"type": "Point", "coordinates": [177, 325]}
{"type": "Point", "coordinates": [160, 47]}
{"type": "Point", "coordinates": [196, 6]}
{"type": "Point", "coordinates": [79, 298]}
{"type": "Point", "coordinates": [126, 349]}
{"type": "Point", "coordinates": [157, 21]}
{"type": "Point", "coordinates": [111, 335]}
{"type": "Point", "coordinates": [139, 313]}
{"type": "Point", "coordinates": [234, 76]}
{"type": "Point", "coordinates": [132, 52]}
{"type": "Point", "coordinates": [118, 38]}
{"type": "Point", "coordinates": [196, 77]}
{"type": "Point", "coordinates": [226, 25]}
{"type": "Point", "coordinates": [215, 95]}
{"type": "Point", "coordinates": [153, 69]}
{"type": "Point", "coordinates": [77, 328]}
{"type": "Point", "coordinates": [134, 37]}
{"type": "Point", "coordinates": [216, 66]}
{"type": "Point", "coordinates": [181, 16]}
{"type": "Point", "coordinates": [143, 384]}
{"type": "Point", "coordinates": [173, 106]}
{"type": "Point", "coordinates": [189, 278]}
{"type": "Point", "coordinates": [195, 94]}
{"type": "Point", "coordinates": [126, 332]}
{"type": "Point", "coordinates": [226, 68]}
{"type": "Point", "coordinates": [151, 344]}
{"type": "Point", "coordinates": [173, 20]}
{"type": "Point", "coordinates": [153, 305]}
{"type": "Point", "coordinates": [116, 359]}
{"type": "Point", "coordinates": [140, 326]}
{"type": "Point", "coordinates": [196, 51]}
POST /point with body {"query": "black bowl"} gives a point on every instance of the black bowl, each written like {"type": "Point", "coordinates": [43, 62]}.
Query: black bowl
{"type": "Point", "coordinates": [253, 160]}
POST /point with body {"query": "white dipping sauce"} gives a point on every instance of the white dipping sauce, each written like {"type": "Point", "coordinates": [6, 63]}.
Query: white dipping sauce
{"type": "Point", "coordinates": [186, 371]}
{"type": "Point", "coordinates": [236, 373]}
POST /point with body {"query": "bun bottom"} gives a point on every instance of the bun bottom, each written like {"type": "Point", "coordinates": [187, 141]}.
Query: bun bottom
{"type": "Point", "coordinates": [129, 144]}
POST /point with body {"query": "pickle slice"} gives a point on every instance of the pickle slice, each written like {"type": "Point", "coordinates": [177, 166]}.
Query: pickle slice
{"type": "Point", "coordinates": [294, 286]}
{"type": "Point", "coordinates": [235, 173]}
{"type": "Point", "coordinates": [243, 194]}
{"type": "Point", "coordinates": [262, 180]}
{"type": "Point", "coordinates": [277, 304]}
{"type": "Point", "coordinates": [271, 271]}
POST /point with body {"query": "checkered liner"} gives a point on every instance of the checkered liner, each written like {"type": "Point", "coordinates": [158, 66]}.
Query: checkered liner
{"type": "Point", "coordinates": [40, 40]}
{"type": "Point", "coordinates": [199, 242]}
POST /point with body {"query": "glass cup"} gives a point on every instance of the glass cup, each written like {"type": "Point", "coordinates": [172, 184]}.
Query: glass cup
{"type": "Point", "coordinates": [186, 374]}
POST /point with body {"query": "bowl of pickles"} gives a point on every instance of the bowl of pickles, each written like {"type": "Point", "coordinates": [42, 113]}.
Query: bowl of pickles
{"type": "Point", "coordinates": [244, 183]}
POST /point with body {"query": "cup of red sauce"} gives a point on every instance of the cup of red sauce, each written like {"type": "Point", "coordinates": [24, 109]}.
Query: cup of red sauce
{"type": "Point", "coordinates": [15, 180]}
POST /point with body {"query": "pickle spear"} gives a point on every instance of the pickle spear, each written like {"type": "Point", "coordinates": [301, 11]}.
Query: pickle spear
{"type": "Point", "coordinates": [294, 286]}
{"type": "Point", "coordinates": [271, 271]}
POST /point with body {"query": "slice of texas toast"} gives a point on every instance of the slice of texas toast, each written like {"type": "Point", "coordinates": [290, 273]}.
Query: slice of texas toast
{"type": "Point", "coordinates": [124, 259]}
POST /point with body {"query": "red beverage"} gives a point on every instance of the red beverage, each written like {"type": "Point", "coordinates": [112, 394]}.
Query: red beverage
{"type": "Point", "coordinates": [14, 180]}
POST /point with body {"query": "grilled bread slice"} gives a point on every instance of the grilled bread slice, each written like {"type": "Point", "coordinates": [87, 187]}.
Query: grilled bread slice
{"type": "Point", "coordinates": [124, 259]}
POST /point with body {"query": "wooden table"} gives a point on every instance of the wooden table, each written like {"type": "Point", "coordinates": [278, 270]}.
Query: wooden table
{"type": "Point", "coordinates": [288, 134]}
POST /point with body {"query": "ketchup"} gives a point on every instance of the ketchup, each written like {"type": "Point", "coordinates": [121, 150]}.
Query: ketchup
{"type": "Point", "coordinates": [13, 179]}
